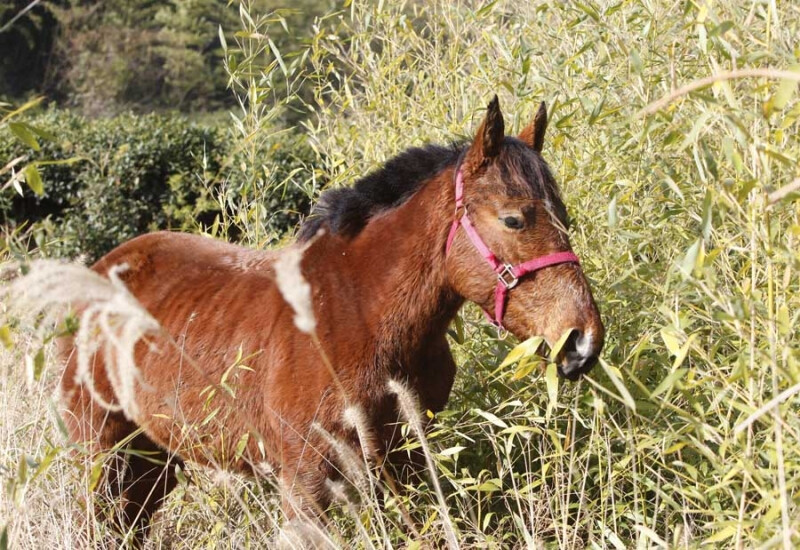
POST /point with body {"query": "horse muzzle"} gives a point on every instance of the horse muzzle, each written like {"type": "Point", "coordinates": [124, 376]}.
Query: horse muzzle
{"type": "Point", "coordinates": [579, 354]}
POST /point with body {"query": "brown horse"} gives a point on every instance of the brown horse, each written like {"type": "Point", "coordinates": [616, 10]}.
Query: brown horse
{"type": "Point", "coordinates": [388, 270]}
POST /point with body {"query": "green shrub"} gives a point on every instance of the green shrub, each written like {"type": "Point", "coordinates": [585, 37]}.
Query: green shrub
{"type": "Point", "coordinates": [134, 174]}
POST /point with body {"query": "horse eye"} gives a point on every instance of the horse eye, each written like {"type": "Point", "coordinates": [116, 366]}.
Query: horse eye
{"type": "Point", "coordinates": [513, 222]}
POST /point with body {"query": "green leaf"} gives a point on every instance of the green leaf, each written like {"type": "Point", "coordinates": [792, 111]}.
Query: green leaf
{"type": "Point", "coordinates": [524, 369]}
{"type": "Point", "coordinates": [485, 9]}
{"type": "Point", "coordinates": [721, 535]}
{"type": "Point", "coordinates": [278, 57]}
{"type": "Point", "coordinates": [489, 486]}
{"type": "Point", "coordinates": [636, 62]}
{"type": "Point", "coordinates": [722, 28]}
{"type": "Point", "coordinates": [524, 349]}
{"type": "Point", "coordinates": [785, 91]}
{"type": "Point", "coordinates": [452, 450]}
{"type": "Point", "coordinates": [683, 352]}
{"type": "Point", "coordinates": [669, 381]}
{"type": "Point", "coordinates": [689, 261]}
{"type": "Point", "coordinates": [784, 323]}
{"type": "Point", "coordinates": [612, 373]}
{"type": "Point", "coordinates": [670, 340]}
{"type": "Point", "coordinates": [45, 464]}
{"type": "Point", "coordinates": [96, 473]}
{"type": "Point", "coordinates": [551, 381]}
{"type": "Point", "coordinates": [222, 39]}
{"type": "Point", "coordinates": [44, 134]}
{"type": "Point", "coordinates": [16, 112]}
{"type": "Point", "coordinates": [34, 179]}
{"type": "Point", "coordinates": [241, 445]}
{"type": "Point", "coordinates": [22, 469]}
{"type": "Point", "coordinates": [556, 349]}
{"type": "Point", "coordinates": [491, 418]}
{"type": "Point", "coordinates": [612, 212]}
{"type": "Point", "coordinates": [5, 337]}
{"type": "Point", "coordinates": [4, 538]}
{"type": "Point", "coordinates": [38, 364]}
{"type": "Point", "coordinates": [22, 133]}
{"type": "Point", "coordinates": [486, 520]}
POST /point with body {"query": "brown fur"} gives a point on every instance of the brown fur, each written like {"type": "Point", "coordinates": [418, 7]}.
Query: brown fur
{"type": "Point", "coordinates": [383, 299]}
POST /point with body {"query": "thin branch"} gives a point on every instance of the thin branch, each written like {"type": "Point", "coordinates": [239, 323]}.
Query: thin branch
{"type": "Point", "coordinates": [707, 81]}
{"type": "Point", "coordinates": [769, 405]}
{"type": "Point", "coordinates": [775, 196]}
{"type": "Point", "coordinates": [13, 20]}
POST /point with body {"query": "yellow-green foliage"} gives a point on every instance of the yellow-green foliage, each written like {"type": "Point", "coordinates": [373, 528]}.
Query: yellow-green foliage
{"type": "Point", "coordinates": [693, 264]}
{"type": "Point", "coordinates": [687, 433]}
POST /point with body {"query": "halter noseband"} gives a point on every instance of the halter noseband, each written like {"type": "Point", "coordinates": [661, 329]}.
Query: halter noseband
{"type": "Point", "coordinates": [507, 275]}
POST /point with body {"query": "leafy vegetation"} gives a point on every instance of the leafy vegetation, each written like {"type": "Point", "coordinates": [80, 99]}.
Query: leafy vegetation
{"type": "Point", "coordinates": [106, 57]}
{"type": "Point", "coordinates": [685, 215]}
{"type": "Point", "coordinates": [109, 180]}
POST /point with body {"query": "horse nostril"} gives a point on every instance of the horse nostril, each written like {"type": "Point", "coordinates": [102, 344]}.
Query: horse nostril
{"type": "Point", "coordinates": [579, 355]}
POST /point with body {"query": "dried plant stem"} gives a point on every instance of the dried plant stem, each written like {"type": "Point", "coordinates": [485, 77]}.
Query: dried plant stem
{"type": "Point", "coordinates": [707, 81]}
{"type": "Point", "coordinates": [779, 194]}
{"type": "Point", "coordinates": [408, 406]}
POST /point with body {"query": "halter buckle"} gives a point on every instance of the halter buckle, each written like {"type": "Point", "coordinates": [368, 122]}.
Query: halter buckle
{"type": "Point", "coordinates": [507, 277]}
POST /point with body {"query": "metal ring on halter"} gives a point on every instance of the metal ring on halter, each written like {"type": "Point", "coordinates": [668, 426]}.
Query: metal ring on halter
{"type": "Point", "coordinates": [507, 276]}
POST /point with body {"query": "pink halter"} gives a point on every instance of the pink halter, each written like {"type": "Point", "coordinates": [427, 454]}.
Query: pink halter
{"type": "Point", "coordinates": [507, 275]}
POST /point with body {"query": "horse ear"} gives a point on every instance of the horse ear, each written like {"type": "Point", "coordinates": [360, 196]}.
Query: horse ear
{"type": "Point", "coordinates": [533, 134]}
{"type": "Point", "coordinates": [490, 134]}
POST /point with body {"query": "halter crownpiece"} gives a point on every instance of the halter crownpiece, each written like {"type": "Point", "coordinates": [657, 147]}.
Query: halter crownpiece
{"type": "Point", "coordinates": [507, 275]}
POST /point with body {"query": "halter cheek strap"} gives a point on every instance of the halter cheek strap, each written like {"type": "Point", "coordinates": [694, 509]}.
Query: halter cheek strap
{"type": "Point", "coordinates": [507, 275]}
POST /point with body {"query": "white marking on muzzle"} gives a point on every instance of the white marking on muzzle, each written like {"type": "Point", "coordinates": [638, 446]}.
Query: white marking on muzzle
{"type": "Point", "coordinates": [585, 344]}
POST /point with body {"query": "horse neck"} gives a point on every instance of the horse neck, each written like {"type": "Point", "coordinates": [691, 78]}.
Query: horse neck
{"type": "Point", "coordinates": [404, 249]}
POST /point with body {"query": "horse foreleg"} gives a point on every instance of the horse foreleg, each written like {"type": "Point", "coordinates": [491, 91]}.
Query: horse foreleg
{"type": "Point", "coordinates": [138, 479]}
{"type": "Point", "coordinates": [136, 474]}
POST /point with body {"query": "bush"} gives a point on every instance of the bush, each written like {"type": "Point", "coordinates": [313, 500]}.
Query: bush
{"type": "Point", "coordinates": [131, 174]}
{"type": "Point", "coordinates": [134, 174]}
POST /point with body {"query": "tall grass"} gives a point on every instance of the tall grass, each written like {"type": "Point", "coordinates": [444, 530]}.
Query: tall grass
{"type": "Point", "coordinates": [686, 220]}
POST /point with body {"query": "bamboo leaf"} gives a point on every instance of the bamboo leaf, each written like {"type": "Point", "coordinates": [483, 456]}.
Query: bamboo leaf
{"type": "Point", "coordinates": [670, 340]}
{"type": "Point", "coordinates": [785, 91]}
{"type": "Point", "coordinates": [222, 40]}
{"type": "Point", "coordinates": [452, 450]}
{"type": "Point", "coordinates": [615, 379]}
{"type": "Point", "coordinates": [491, 418]}
{"type": "Point", "coordinates": [556, 349]}
{"type": "Point", "coordinates": [690, 259]}
{"type": "Point", "coordinates": [16, 112]}
{"type": "Point", "coordinates": [38, 364]}
{"type": "Point", "coordinates": [551, 381]}
{"type": "Point", "coordinates": [278, 57]}
{"type": "Point", "coordinates": [719, 536]}
{"type": "Point", "coordinates": [668, 382]}
{"type": "Point", "coordinates": [22, 133]}
{"type": "Point", "coordinates": [5, 337]}
{"type": "Point", "coordinates": [524, 369]}
{"type": "Point", "coordinates": [34, 179]}
{"type": "Point", "coordinates": [524, 349]}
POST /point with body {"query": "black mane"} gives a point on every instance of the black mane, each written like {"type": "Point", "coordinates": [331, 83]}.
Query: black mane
{"type": "Point", "coordinates": [347, 210]}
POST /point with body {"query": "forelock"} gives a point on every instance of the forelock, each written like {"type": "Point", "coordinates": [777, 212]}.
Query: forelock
{"type": "Point", "coordinates": [527, 175]}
